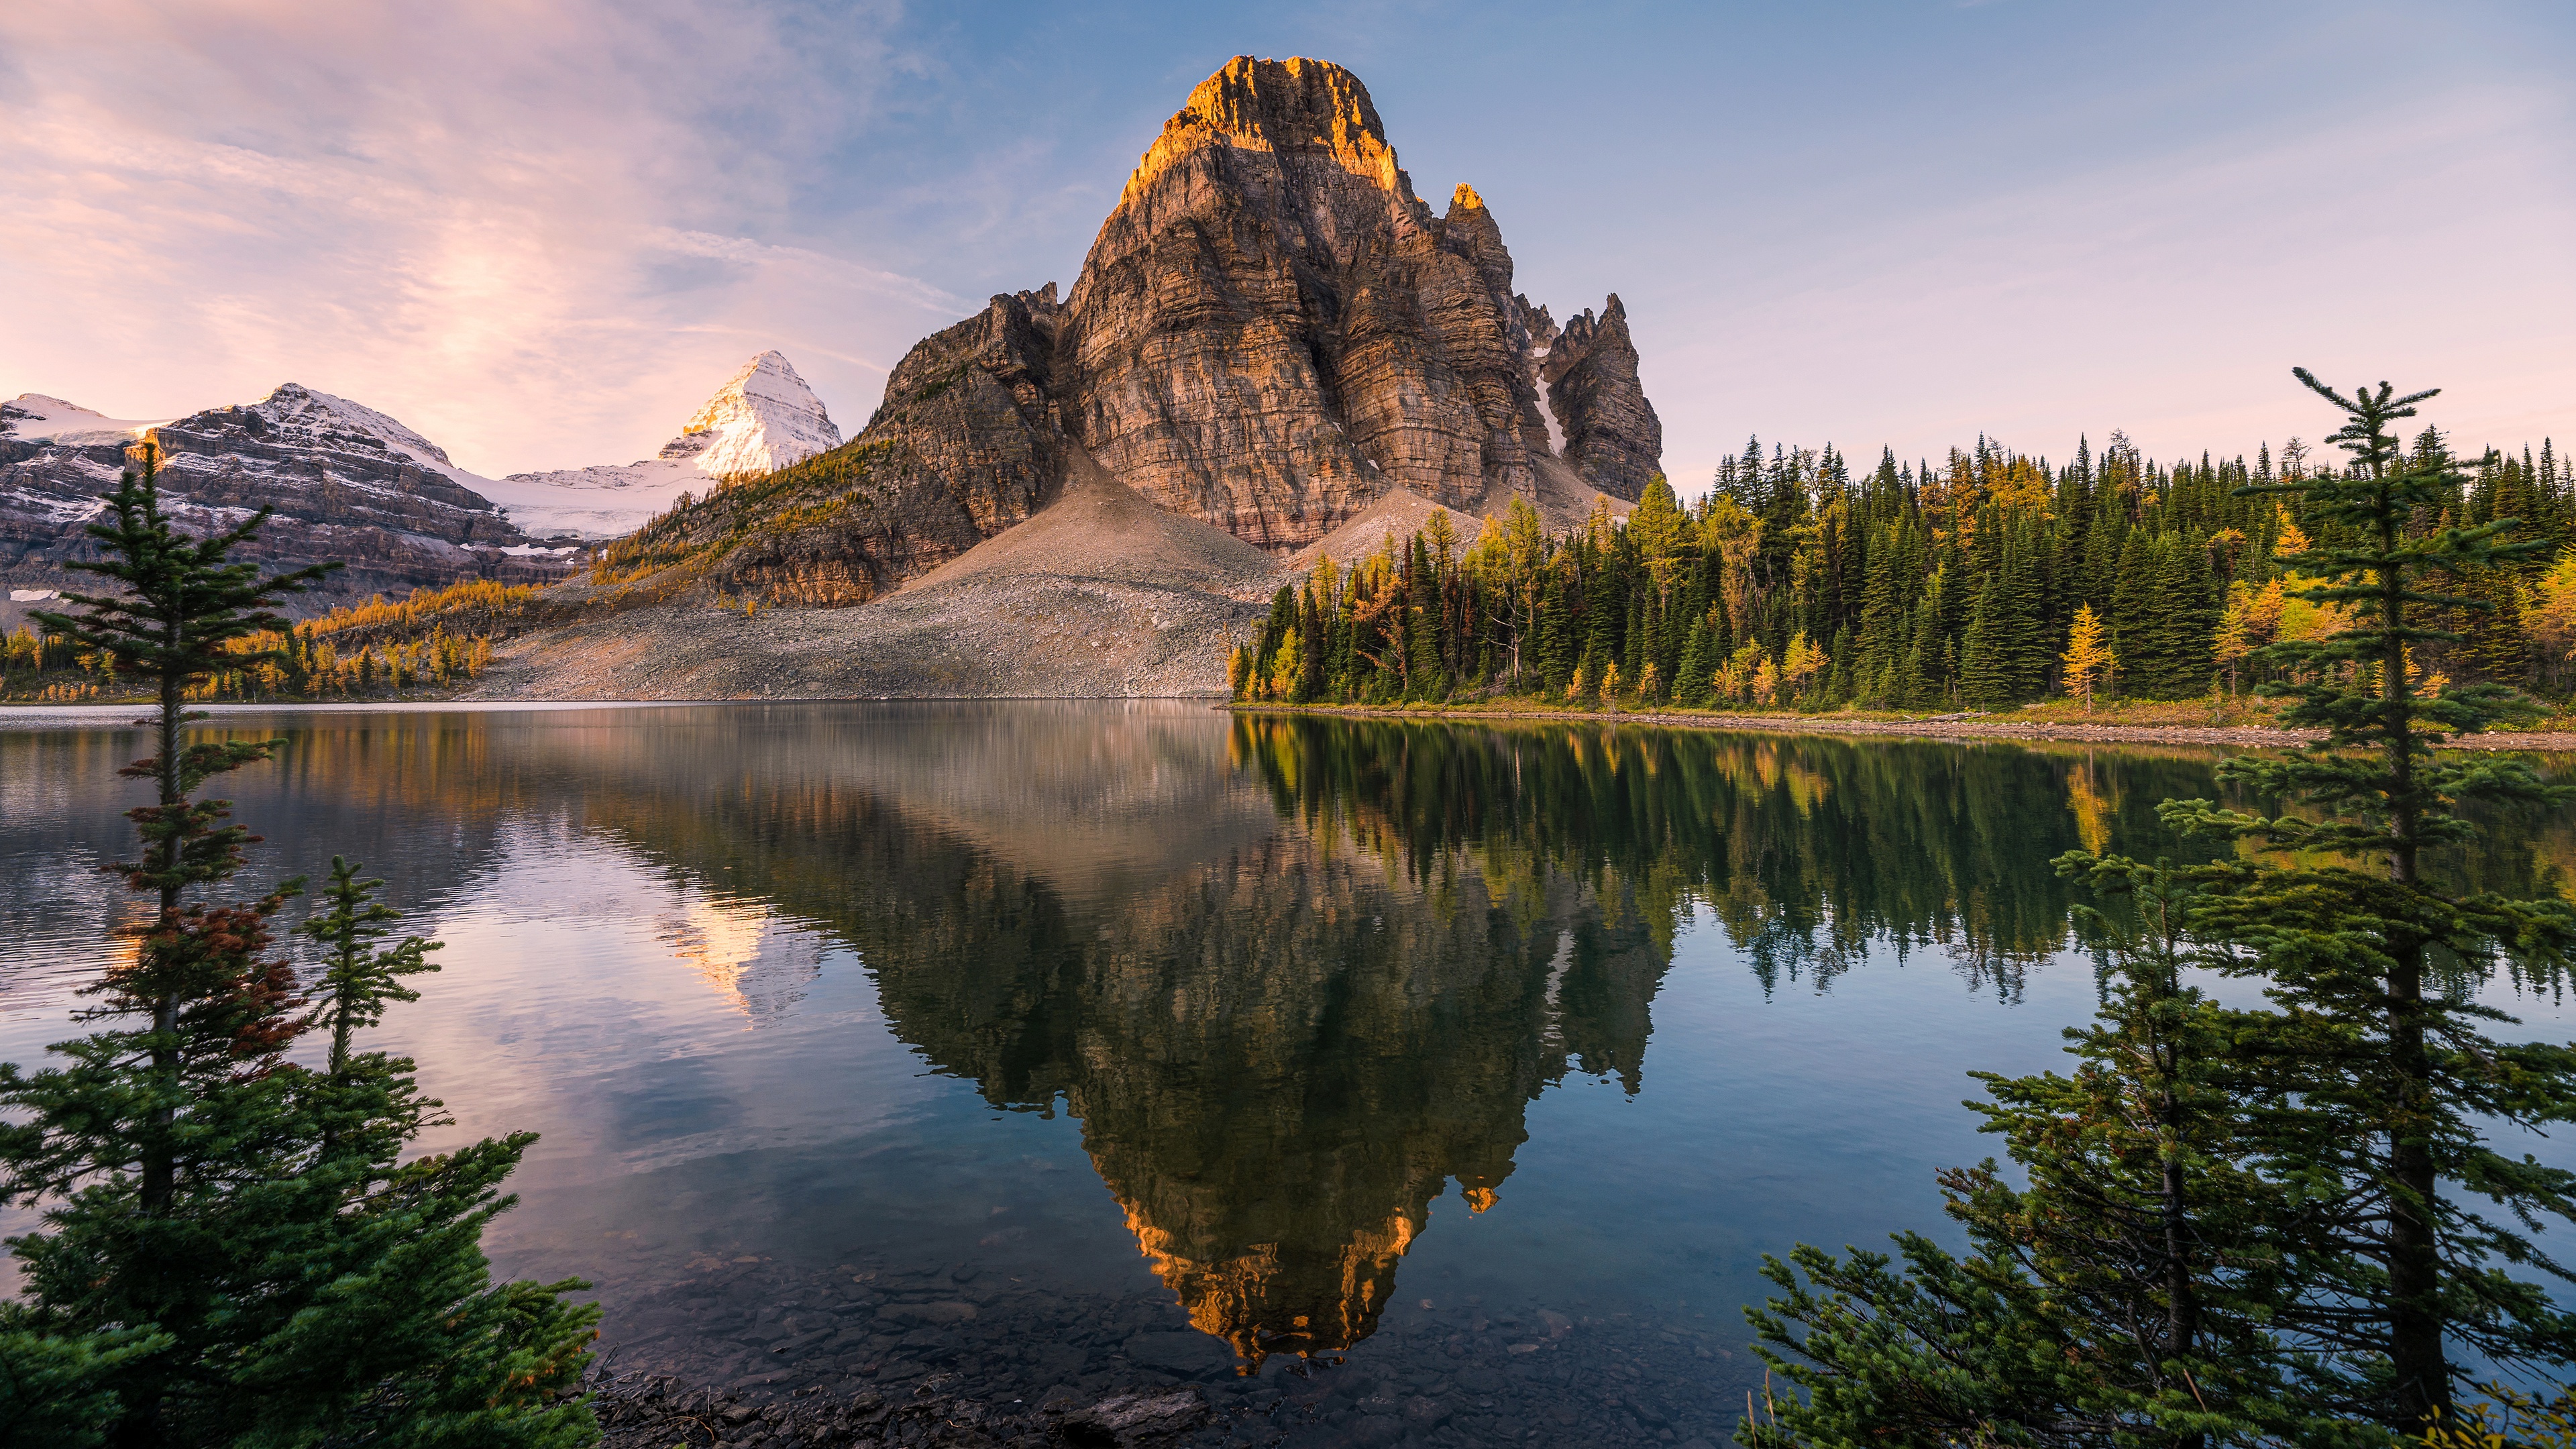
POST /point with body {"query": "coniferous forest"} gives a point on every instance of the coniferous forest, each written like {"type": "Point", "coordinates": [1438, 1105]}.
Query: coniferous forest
{"type": "Point", "coordinates": [1987, 580]}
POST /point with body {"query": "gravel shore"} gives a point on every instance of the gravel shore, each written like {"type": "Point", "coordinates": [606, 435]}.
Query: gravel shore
{"type": "Point", "coordinates": [1947, 727]}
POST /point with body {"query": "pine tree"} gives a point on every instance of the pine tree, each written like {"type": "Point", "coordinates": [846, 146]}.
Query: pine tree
{"type": "Point", "coordinates": [1690, 677]}
{"type": "Point", "coordinates": [2382, 1071]}
{"type": "Point", "coordinates": [2131, 606]}
{"type": "Point", "coordinates": [1422, 633]}
{"type": "Point", "coordinates": [227, 1251]}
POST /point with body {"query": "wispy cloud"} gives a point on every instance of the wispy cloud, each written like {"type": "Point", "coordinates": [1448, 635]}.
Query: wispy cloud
{"type": "Point", "coordinates": [507, 225]}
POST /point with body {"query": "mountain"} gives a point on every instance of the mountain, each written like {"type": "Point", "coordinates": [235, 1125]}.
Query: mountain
{"type": "Point", "coordinates": [763, 418]}
{"type": "Point", "coordinates": [346, 482]}
{"type": "Point", "coordinates": [1271, 334]}
{"type": "Point", "coordinates": [351, 483]}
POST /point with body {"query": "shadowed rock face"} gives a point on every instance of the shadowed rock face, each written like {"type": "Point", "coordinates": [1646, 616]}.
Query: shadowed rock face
{"type": "Point", "coordinates": [344, 482]}
{"type": "Point", "coordinates": [1612, 436]}
{"type": "Point", "coordinates": [1271, 331]}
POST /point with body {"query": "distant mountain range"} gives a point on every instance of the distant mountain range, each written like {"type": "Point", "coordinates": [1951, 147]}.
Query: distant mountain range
{"type": "Point", "coordinates": [351, 483]}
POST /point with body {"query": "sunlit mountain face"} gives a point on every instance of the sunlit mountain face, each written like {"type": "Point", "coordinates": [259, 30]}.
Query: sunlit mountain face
{"type": "Point", "coordinates": [1066, 1044]}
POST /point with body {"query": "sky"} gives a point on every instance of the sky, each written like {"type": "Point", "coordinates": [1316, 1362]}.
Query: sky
{"type": "Point", "coordinates": [541, 234]}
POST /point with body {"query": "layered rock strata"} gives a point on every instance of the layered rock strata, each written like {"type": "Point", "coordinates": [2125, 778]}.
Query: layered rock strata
{"type": "Point", "coordinates": [1270, 333]}
{"type": "Point", "coordinates": [343, 482]}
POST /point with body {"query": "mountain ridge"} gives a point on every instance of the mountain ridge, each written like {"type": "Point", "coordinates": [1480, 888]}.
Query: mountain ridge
{"type": "Point", "coordinates": [343, 481]}
{"type": "Point", "coordinates": [353, 483]}
{"type": "Point", "coordinates": [1270, 334]}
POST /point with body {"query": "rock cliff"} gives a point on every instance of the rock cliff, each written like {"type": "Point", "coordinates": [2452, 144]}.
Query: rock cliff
{"type": "Point", "coordinates": [1272, 329]}
{"type": "Point", "coordinates": [1270, 334]}
{"type": "Point", "coordinates": [345, 482]}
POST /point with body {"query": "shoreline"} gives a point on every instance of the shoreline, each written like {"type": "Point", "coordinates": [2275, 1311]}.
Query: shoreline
{"type": "Point", "coordinates": [1935, 727]}
{"type": "Point", "coordinates": [26, 714]}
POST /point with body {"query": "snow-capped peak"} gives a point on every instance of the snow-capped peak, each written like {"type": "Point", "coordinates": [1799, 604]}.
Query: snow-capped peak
{"type": "Point", "coordinates": [764, 417]}
{"type": "Point", "coordinates": [318, 419]}
{"type": "Point", "coordinates": [32, 417]}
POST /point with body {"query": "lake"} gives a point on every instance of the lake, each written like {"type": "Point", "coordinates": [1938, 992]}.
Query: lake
{"type": "Point", "coordinates": [1386, 1079]}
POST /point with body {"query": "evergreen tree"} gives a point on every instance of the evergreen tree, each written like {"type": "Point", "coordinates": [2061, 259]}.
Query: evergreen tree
{"type": "Point", "coordinates": [228, 1252]}
{"type": "Point", "coordinates": [1690, 678]}
{"type": "Point", "coordinates": [2120, 1297]}
{"type": "Point", "coordinates": [1422, 631]}
{"type": "Point", "coordinates": [2132, 604]}
{"type": "Point", "coordinates": [1984, 681]}
{"type": "Point", "coordinates": [2383, 1075]}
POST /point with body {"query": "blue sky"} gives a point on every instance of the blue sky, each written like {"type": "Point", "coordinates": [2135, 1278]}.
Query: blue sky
{"type": "Point", "coordinates": [541, 235]}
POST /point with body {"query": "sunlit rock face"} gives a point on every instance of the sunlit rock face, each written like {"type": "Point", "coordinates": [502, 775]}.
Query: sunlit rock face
{"type": "Point", "coordinates": [1271, 328]}
{"type": "Point", "coordinates": [1270, 332]}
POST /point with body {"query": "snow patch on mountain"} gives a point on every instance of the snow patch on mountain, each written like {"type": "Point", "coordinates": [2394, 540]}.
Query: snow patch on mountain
{"type": "Point", "coordinates": [32, 417]}
{"type": "Point", "coordinates": [301, 417]}
{"type": "Point", "coordinates": [763, 418]}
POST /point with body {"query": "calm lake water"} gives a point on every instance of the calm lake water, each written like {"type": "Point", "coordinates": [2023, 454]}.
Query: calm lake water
{"type": "Point", "coordinates": [1385, 1079]}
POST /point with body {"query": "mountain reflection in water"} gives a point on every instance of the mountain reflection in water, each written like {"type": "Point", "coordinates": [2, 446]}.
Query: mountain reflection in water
{"type": "Point", "coordinates": [1284, 1036]}
{"type": "Point", "coordinates": [1292, 976]}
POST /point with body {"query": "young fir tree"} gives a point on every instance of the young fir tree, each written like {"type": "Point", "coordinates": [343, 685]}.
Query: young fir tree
{"type": "Point", "coordinates": [228, 1253]}
{"type": "Point", "coordinates": [1691, 674]}
{"type": "Point", "coordinates": [1984, 677]}
{"type": "Point", "coordinates": [2386, 1082]}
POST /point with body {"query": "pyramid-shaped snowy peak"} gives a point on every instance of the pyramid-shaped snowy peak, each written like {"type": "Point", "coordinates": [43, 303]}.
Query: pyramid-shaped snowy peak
{"type": "Point", "coordinates": [764, 417]}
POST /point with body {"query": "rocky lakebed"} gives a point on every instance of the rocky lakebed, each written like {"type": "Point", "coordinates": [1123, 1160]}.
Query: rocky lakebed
{"type": "Point", "coordinates": [752, 1353]}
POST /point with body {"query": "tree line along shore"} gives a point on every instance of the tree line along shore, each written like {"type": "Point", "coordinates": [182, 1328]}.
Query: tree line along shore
{"type": "Point", "coordinates": [1986, 582]}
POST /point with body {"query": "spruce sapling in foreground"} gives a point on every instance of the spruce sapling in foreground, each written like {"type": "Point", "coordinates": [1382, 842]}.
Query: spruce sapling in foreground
{"type": "Point", "coordinates": [2316, 1167]}
{"type": "Point", "coordinates": [2384, 1078]}
{"type": "Point", "coordinates": [2120, 1297]}
{"type": "Point", "coordinates": [229, 1251]}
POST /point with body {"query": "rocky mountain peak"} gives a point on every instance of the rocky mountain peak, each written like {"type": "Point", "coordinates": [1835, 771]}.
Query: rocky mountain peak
{"type": "Point", "coordinates": [296, 416]}
{"type": "Point", "coordinates": [1270, 334]}
{"type": "Point", "coordinates": [763, 418]}
{"type": "Point", "coordinates": [1471, 231]}
{"type": "Point", "coordinates": [1294, 107]}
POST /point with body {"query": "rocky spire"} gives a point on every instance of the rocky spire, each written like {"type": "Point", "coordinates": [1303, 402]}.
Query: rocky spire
{"type": "Point", "coordinates": [1288, 108]}
{"type": "Point", "coordinates": [1612, 436]}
